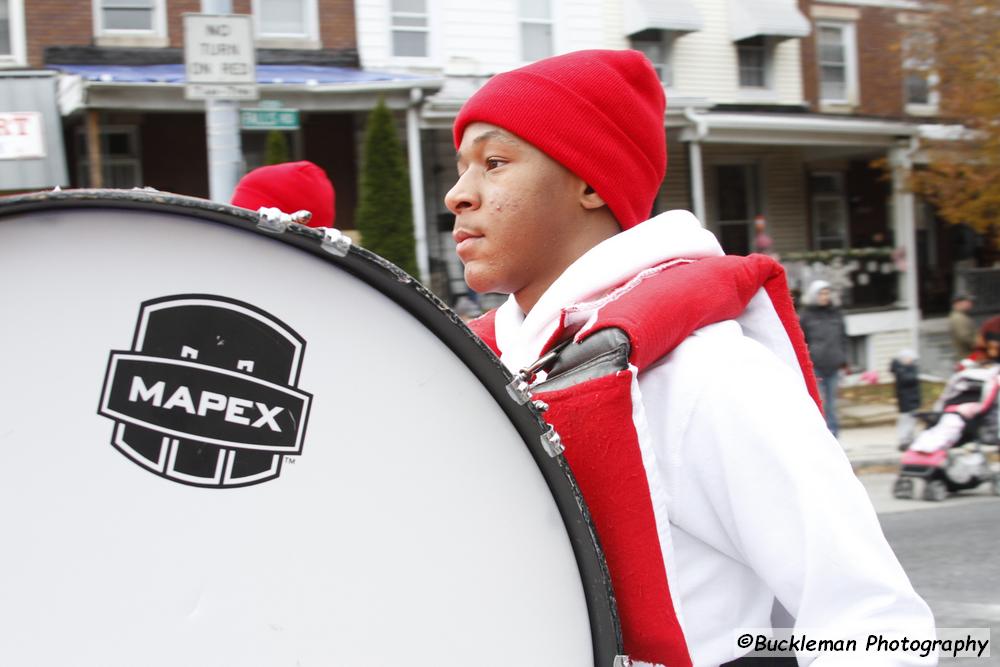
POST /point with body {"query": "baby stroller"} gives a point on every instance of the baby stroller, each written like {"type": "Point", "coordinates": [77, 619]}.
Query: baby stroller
{"type": "Point", "coordinates": [956, 460]}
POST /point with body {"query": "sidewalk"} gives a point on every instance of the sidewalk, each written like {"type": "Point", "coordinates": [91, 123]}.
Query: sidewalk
{"type": "Point", "coordinates": [871, 449]}
{"type": "Point", "coordinates": [868, 434]}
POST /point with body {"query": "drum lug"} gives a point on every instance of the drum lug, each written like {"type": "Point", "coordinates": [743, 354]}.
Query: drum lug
{"type": "Point", "coordinates": [541, 406]}
{"type": "Point", "coordinates": [275, 220]}
{"type": "Point", "coordinates": [552, 443]}
{"type": "Point", "coordinates": [622, 661]}
{"type": "Point", "coordinates": [272, 219]}
{"type": "Point", "coordinates": [335, 242]}
{"type": "Point", "coordinates": [518, 389]}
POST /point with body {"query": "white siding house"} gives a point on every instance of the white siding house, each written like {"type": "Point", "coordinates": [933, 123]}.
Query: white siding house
{"type": "Point", "coordinates": [706, 63]}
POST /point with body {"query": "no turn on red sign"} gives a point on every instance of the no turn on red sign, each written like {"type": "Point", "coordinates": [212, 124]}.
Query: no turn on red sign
{"type": "Point", "coordinates": [219, 57]}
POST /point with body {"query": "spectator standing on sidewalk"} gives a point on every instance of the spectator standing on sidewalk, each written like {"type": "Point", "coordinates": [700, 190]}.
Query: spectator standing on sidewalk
{"type": "Point", "coordinates": [963, 329]}
{"type": "Point", "coordinates": [904, 368]}
{"type": "Point", "coordinates": [826, 335]}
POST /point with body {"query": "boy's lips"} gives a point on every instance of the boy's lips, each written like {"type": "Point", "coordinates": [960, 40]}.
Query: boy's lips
{"type": "Point", "coordinates": [465, 241]}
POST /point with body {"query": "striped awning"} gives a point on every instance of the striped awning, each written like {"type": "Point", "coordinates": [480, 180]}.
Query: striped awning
{"type": "Point", "coordinates": [674, 15]}
{"type": "Point", "coordinates": [770, 18]}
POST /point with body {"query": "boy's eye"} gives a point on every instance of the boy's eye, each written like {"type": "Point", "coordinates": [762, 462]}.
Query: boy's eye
{"type": "Point", "coordinates": [493, 163]}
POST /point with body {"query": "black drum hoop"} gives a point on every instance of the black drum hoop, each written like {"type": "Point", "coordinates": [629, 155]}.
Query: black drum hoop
{"type": "Point", "coordinates": [434, 314]}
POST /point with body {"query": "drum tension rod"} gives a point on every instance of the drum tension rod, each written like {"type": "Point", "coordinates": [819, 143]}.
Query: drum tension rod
{"type": "Point", "coordinates": [622, 661]}
{"type": "Point", "coordinates": [519, 388]}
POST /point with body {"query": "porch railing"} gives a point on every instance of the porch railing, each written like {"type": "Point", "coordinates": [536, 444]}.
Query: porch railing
{"type": "Point", "coordinates": [983, 285]}
{"type": "Point", "coordinates": [861, 278]}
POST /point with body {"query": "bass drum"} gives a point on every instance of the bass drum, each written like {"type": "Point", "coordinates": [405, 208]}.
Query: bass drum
{"type": "Point", "coordinates": [227, 446]}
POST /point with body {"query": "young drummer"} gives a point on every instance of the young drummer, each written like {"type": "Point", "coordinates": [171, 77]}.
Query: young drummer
{"type": "Point", "coordinates": [715, 487]}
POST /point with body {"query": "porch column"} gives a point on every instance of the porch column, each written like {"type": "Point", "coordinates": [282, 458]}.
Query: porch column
{"type": "Point", "coordinates": [95, 169]}
{"type": "Point", "coordinates": [413, 151]}
{"type": "Point", "coordinates": [904, 228]}
{"type": "Point", "coordinates": [697, 181]}
{"type": "Point", "coordinates": [697, 131]}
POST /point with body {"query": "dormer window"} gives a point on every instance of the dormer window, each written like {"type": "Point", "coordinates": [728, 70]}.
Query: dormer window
{"type": "Point", "coordinates": [754, 59]}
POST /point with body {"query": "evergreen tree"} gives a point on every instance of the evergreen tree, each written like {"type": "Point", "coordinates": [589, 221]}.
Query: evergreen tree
{"type": "Point", "coordinates": [275, 148]}
{"type": "Point", "coordinates": [384, 214]}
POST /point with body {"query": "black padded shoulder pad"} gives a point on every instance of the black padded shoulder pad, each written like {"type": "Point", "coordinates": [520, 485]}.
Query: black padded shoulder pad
{"type": "Point", "coordinates": [603, 353]}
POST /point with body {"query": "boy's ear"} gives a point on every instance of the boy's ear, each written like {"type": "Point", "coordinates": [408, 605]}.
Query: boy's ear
{"type": "Point", "coordinates": [589, 198]}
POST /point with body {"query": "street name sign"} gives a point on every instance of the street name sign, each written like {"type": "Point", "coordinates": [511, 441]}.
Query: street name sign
{"type": "Point", "coordinates": [269, 119]}
{"type": "Point", "coordinates": [219, 58]}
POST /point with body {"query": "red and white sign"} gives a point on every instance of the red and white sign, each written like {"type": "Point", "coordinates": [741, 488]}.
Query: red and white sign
{"type": "Point", "coordinates": [21, 135]}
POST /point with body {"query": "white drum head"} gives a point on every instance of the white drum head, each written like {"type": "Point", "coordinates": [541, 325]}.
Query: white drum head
{"type": "Point", "coordinates": [224, 447]}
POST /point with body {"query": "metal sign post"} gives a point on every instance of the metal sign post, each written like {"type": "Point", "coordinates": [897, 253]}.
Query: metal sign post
{"type": "Point", "coordinates": [221, 67]}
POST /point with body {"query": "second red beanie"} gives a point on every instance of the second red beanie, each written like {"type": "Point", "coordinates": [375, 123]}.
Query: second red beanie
{"type": "Point", "coordinates": [291, 187]}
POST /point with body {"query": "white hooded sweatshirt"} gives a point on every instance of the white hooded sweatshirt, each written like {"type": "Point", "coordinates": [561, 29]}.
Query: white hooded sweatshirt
{"type": "Point", "coordinates": [754, 499]}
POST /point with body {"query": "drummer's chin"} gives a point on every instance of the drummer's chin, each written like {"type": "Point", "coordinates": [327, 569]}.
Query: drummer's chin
{"type": "Point", "coordinates": [480, 281]}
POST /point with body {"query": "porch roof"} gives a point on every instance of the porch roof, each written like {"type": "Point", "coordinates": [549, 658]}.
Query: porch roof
{"type": "Point", "coordinates": [266, 74]}
{"type": "Point", "coordinates": [794, 129]}
{"type": "Point", "coordinates": [161, 87]}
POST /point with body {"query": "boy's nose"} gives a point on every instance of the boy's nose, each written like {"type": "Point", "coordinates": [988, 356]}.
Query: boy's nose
{"type": "Point", "coordinates": [461, 197]}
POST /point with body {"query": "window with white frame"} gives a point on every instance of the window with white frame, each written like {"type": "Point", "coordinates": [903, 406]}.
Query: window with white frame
{"type": "Point", "coordinates": [837, 62]}
{"type": "Point", "coordinates": [12, 40]}
{"type": "Point", "coordinates": [128, 15]}
{"type": "Point", "coordinates": [6, 36]}
{"type": "Point", "coordinates": [919, 78]}
{"type": "Point", "coordinates": [536, 29]}
{"type": "Point", "coordinates": [658, 46]}
{"type": "Point", "coordinates": [295, 19]}
{"type": "Point", "coordinates": [410, 28]}
{"type": "Point", "coordinates": [754, 62]}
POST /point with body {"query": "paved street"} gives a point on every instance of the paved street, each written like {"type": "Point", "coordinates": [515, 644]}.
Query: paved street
{"type": "Point", "coordinates": [951, 550]}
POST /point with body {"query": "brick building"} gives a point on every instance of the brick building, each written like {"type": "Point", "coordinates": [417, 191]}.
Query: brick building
{"type": "Point", "coordinates": [872, 69]}
{"type": "Point", "coordinates": [125, 118]}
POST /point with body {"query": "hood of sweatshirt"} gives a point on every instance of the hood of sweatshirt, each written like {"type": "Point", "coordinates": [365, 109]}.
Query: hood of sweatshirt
{"type": "Point", "coordinates": [673, 235]}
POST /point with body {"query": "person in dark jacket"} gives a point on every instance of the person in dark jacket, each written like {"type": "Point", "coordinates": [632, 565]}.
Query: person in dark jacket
{"type": "Point", "coordinates": [962, 326]}
{"type": "Point", "coordinates": [904, 369]}
{"type": "Point", "coordinates": [823, 325]}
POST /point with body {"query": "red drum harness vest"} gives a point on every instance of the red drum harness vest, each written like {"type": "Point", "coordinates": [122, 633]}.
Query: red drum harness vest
{"type": "Point", "coordinates": [590, 406]}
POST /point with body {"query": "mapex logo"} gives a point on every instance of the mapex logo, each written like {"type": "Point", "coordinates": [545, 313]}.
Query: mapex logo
{"type": "Point", "coordinates": [207, 395]}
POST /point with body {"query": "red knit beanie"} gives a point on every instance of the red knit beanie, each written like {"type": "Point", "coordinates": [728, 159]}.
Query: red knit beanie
{"type": "Point", "coordinates": [291, 187]}
{"type": "Point", "coordinates": [598, 113]}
